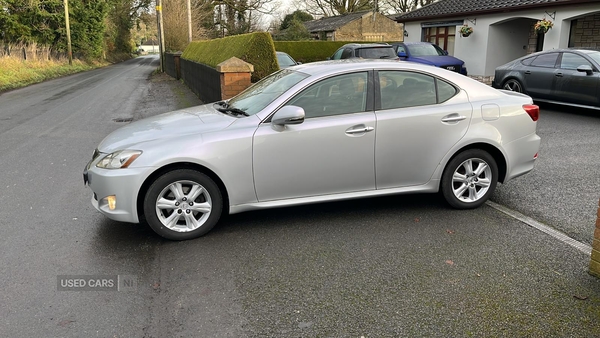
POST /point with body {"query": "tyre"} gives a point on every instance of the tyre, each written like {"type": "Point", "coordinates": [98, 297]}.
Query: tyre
{"type": "Point", "coordinates": [469, 179]}
{"type": "Point", "coordinates": [513, 85]}
{"type": "Point", "coordinates": [183, 204]}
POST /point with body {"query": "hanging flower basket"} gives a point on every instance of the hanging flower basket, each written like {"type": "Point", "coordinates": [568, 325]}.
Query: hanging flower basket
{"type": "Point", "coordinates": [543, 26]}
{"type": "Point", "coordinates": [465, 31]}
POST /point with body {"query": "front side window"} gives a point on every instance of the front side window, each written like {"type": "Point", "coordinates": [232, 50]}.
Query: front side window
{"type": "Point", "coordinates": [545, 60]}
{"type": "Point", "coordinates": [572, 61]}
{"type": "Point", "coordinates": [401, 89]}
{"type": "Point", "coordinates": [259, 95]}
{"type": "Point", "coordinates": [342, 94]}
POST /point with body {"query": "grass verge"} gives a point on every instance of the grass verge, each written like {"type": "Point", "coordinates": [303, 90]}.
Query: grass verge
{"type": "Point", "coordinates": [17, 73]}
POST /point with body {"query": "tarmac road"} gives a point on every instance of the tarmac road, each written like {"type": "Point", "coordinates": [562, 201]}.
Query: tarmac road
{"type": "Point", "coordinates": [386, 267]}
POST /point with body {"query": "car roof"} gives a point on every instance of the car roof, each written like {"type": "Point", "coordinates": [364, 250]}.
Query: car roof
{"type": "Point", "coordinates": [417, 43]}
{"type": "Point", "coordinates": [367, 45]}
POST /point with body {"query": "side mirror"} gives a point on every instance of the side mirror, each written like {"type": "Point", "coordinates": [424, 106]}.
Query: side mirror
{"type": "Point", "coordinates": [288, 115]}
{"type": "Point", "coordinates": [445, 52]}
{"type": "Point", "coordinates": [298, 63]}
{"type": "Point", "coordinates": [585, 69]}
{"type": "Point", "coordinates": [402, 54]}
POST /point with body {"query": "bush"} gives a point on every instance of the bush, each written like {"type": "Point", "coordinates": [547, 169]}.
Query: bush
{"type": "Point", "coordinates": [255, 48]}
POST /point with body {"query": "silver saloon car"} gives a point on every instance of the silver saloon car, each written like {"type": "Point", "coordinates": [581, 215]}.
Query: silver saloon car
{"type": "Point", "coordinates": [313, 133]}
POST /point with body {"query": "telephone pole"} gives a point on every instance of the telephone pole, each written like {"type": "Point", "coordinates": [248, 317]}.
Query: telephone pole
{"type": "Point", "coordinates": [161, 35]}
{"type": "Point", "coordinates": [68, 32]}
{"type": "Point", "coordinates": [189, 15]}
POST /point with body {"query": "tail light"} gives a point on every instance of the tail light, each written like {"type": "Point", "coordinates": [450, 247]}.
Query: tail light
{"type": "Point", "coordinates": [533, 111]}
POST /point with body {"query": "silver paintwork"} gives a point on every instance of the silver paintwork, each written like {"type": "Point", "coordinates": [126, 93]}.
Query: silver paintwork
{"type": "Point", "coordinates": [373, 153]}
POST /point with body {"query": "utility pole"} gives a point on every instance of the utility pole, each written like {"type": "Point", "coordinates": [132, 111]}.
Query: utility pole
{"type": "Point", "coordinates": [69, 51]}
{"type": "Point", "coordinates": [161, 35]}
{"type": "Point", "coordinates": [189, 13]}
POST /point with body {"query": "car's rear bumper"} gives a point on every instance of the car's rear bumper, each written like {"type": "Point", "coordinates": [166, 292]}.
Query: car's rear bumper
{"type": "Point", "coordinates": [522, 156]}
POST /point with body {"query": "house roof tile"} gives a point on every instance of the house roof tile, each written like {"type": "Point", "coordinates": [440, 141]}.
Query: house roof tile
{"type": "Point", "coordinates": [332, 23]}
{"type": "Point", "coordinates": [446, 8]}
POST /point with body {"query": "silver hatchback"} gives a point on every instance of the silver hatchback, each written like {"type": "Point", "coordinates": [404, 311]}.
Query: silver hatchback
{"type": "Point", "coordinates": [313, 133]}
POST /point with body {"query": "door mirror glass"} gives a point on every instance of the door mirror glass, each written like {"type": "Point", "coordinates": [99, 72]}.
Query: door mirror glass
{"type": "Point", "coordinates": [402, 54]}
{"type": "Point", "coordinates": [288, 115]}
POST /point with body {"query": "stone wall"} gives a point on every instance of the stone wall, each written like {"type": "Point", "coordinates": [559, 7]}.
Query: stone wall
{"type": "Point", "coordinates": [586, 32]}
{"type": "Point", "coordinates": [371, 28]}
{"type": "Point", "coordinates": [483, 79]}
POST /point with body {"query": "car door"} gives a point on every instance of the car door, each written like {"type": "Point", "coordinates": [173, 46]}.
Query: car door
{"type": "Point", "coordinates": [539, 76]}
{"type": "Point", "coordinates": [331, 152]}
{"type": "Point", "coordinates": [419, 119]}
{"type": "Point", "coordinates": [573, 86]}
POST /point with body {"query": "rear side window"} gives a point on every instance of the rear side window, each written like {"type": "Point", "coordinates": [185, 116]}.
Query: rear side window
{"type": "Point", "coordinates": [444, 90]}
{"type": "Point", "coordinates": [545, 60]}
{"type": "Point", "coordinates": [527, 61]}
{"type": "Point", "coordinates": [400, 89]}
{"type": "Point", "coordinates": [347, 53]}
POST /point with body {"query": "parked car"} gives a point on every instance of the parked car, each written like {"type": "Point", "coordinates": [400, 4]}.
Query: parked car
{"type": "Point", "coordinates": [285, 60]}
{"type": "Point", "coordinates": [429, 54]}
{"type": "Point", "coordinates": [562, 76]}
{"type": "Point", "coordinates": [311, 133]}
{"type": "Point", "coordinates": [365, 51]}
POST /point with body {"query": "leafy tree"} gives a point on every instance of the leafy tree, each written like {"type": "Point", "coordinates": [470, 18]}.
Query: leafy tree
{"type": "Point", "coordinates": [295, 31]}
{"type": "Point", "coordinates": [297, 15]}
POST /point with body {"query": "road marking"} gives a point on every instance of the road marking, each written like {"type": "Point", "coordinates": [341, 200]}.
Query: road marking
{"type": "Point", "coordinates": [586, 249]}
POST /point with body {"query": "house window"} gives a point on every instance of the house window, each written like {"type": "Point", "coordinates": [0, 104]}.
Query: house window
{"type": "Point", "coordinates": [442, 36]}
{"type": "Point", "coordinates": [373, 37]}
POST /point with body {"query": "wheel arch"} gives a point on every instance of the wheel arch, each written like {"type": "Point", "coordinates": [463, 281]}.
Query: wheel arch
{"type": "Point", "coordinates": [174, 166]}
{"type": "Point", "coordinates": [490, 149]}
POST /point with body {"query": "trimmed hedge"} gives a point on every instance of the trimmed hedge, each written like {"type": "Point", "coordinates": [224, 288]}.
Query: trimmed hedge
{"type": "Point", "coordinates": [255, 48]}
{"type": "Point", "coordinates": [311, 51]}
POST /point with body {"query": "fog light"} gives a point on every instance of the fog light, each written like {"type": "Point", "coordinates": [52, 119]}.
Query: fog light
{"type": "Point", "coordinates": [112, 202]}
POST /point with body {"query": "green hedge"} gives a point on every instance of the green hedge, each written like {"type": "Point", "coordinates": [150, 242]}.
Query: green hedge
{"type": "Point", "coordinates": [255, 48]}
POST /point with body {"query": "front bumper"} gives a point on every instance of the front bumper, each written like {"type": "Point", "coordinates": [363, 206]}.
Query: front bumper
{"type": "Point", "coordinates": [124, 184]}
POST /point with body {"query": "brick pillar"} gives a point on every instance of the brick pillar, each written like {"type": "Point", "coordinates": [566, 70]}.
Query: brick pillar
{"type": "Point", "coordinates": [235, 77]}
{"type": "Point", "coordinates": [595, 261]}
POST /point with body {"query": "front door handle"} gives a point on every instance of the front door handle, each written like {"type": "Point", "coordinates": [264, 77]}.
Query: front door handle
{"type": "Point", "coordinates": [559, 74]}
{"type": "Point", "coordinates": [527, 72]}
{"type": "Point", "coordinates": [453, 118]}
{"type": "Point", "coordinates": [359, 130]}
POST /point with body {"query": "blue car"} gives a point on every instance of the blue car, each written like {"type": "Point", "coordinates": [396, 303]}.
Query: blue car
{"type": "Point", "coordinates": [429, 54]}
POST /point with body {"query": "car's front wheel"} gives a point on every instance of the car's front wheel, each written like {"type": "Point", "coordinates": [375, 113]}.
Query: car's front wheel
{"type": "Point", "coordinates": [183, 204]}
{"type": "Point", "coordinates": [513, 85]}
{"type": "Point", "coordinates": [469, 179]}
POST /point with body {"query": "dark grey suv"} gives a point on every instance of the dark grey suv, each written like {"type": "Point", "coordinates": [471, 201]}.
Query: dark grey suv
{"type": "Point", "coordinates": [365, 51]}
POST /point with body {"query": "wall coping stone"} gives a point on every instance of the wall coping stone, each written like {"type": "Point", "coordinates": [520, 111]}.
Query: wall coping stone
{"type": "Point", "coordinates": [234, 65]}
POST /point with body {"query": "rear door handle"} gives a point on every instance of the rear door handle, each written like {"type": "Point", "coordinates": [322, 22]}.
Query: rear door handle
{"type": "Point", "coordinates": [359, 130]}
{"type": "Point", "coordinates": [527, 72]}
{"type": "Point", "coordinates": [453, 118]}
{"type": "Point", "coordinates": [559, 74]}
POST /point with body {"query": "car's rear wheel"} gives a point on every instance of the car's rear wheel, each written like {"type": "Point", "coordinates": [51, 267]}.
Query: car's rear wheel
{"type": "Point", "coordinates": [469, 179]}
{"type": "Point", "coordinates": [513, 85]}
{"type": "Point", "coordinates": [183, 204]}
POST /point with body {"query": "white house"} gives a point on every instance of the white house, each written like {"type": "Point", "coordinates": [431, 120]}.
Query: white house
{"type": "Point", "coordinates": [503, 29]}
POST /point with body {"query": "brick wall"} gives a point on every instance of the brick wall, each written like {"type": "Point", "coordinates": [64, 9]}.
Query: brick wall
{"type": "Point", "coordinates": [234, 83]}
{"type": "Point", "coordinates": [586, 32]}
{"type": "Point", "coordinates": [381, 28]}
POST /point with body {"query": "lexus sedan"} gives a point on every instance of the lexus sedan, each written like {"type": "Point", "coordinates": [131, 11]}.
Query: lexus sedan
{"type": "Point", "coordinates": [429, 54]}
{"type": "Point", "coordinates": [561, 76]}
{"type": "Point", "coordinates": [311, 133]}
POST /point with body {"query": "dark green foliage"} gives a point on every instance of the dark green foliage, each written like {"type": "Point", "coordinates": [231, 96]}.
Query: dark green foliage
{"type": "Point", "coordinates": [296, 31]}
{"type": "Point", "coordinates": [87, 27]}
{"type": "Point", "coordinates": [255, 48]}
{"type": "Point", "coordinates": [298, 15]}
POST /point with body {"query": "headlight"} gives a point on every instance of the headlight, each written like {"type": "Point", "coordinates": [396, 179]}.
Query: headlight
{"type": "Point", "coordinates": [119, 159]}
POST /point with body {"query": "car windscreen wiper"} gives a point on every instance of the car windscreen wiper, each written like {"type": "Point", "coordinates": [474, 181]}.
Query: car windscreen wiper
{"type": "Point", "coordinates": [233, 111]}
